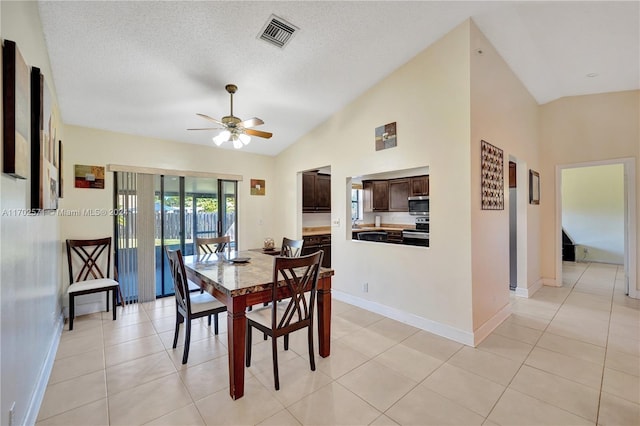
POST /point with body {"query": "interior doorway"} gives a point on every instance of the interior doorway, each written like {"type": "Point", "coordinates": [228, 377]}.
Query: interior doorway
{"type": "Point", "coordinates": [513, 225]}
{"type": "Point", "coordinates": [628, 221]}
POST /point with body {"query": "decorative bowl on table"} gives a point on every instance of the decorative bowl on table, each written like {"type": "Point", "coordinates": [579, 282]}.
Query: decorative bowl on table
{"type": "Point", "coordinates": [269, 244]}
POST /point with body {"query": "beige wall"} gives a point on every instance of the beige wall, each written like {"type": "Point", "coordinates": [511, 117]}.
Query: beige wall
{"type": "Point", "coordinates": [97, 147]}
{"type": "Point", "coordinates": [428, 98]}
{"type": "Point", "coordinates": [583, 129]}
{"type": "Point", "coordinates": [504, 114]}
{"type": "Point", "coordinates": [30, 253]}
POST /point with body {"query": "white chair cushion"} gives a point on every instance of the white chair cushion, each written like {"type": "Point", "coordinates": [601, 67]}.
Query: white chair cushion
{"type": "Point", "coordinates": [204, 302]}
{"type": "Point", "coordinates": [92, 285]}
{"type": "Point", "coordinates": [193, 286]}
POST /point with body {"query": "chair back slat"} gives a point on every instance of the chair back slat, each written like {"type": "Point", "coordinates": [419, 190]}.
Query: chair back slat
{"type": "Point", "coordinates": [291, 248]}
{"type": "Point", "coordinates": [180, 283]}
{"type": "Point", "coordinates": [300, 275]}
{"type": "Point", "coordinates": [88, 259]}
{"type": "Point", "coordinates": [212, 245]}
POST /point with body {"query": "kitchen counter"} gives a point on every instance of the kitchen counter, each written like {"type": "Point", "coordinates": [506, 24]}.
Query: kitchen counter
{"type": "Point", "coordinates": [382, 227]}
{"type": "Point", "coordinates": [316, 230]}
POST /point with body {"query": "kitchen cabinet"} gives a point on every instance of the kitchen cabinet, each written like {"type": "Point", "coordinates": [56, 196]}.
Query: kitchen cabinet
{"type": "Point", "coordinates": [375, 196]}
{"type": "Point", "coordinates": [316, 192]}
{"type": "Point", "coordinates": [313, 243]}
{"type": "Point", "coordinates": [419, 186]}
{"type": "Point", "coordinates": [398, 194]}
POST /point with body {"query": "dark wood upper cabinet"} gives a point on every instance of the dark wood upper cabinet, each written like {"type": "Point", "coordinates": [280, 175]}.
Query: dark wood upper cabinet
{"type": "Point", "coordinates": [316, 192]}
{"type": "Point", "coordinates": [380, 200]}
{"type": "Point", "coordinates": [323, 192]}
{"type": "Point", "coordinates": [391, 195]}
{"type": "Point", "coordinates": [419, 185]}
{"type": "Point", "coordinates": [398, 194]}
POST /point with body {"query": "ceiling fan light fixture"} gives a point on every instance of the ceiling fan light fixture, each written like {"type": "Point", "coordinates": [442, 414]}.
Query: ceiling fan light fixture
{"type": "Point", "coordinates": [244, 138]}
{"type": "Point", "coordinates": [222, 137]}
{"type": "Point", "coordinates": [237, 143]}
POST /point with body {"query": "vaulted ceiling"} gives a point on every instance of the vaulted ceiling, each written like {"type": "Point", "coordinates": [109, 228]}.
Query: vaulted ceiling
{"type": "Point", "coordinates": [146, 67]}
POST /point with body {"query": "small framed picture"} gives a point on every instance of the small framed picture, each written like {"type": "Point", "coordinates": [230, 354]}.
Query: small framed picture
{"type": "Point", "coordinates": [534, 187]}
{"type": "Point", "coordinates": [257, 187]}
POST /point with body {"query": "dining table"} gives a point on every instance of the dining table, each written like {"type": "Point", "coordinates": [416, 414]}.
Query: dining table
{"type": "Point", "coordinates": [241, 279]}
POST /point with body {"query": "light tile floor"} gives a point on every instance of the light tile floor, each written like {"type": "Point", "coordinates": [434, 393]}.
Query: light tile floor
{"type": "Point", "coordinates": [566, 356]}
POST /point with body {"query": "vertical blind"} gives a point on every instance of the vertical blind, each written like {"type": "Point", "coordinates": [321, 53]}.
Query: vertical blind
{"type": "Point", "coordinates": [134, 230]}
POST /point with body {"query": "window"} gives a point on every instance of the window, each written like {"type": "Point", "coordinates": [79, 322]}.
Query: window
{"type": "Point", "coordinates": [356, 204]}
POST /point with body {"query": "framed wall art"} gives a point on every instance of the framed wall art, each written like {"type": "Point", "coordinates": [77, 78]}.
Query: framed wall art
{"type": "Point", "coordinates": [257, 187]}
{"type": "Point", "coordinates": [16, 115]}
{"type": "Point", "coordinates": [386, 136]}
{"type": "Point", "coordinates": [534, 187]}
{"type": "Point", "coordinates": [492, 168]}
{"type": "Point", "coordinates": [44, 146]}
{"type": "Point", "coordinates": [60, 182]}
{"type": "Point", "coordinates": [89, 176]}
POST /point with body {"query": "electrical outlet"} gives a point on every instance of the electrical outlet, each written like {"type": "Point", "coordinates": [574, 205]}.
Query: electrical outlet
{"type": "Point", "coordinates": [336, 222]}
{"type": "Point", "coordinates": [12, 413]}
{"type": "Point", "coordinates": [365, 288]}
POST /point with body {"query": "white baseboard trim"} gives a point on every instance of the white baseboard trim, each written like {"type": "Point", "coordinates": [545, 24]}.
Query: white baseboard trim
{"type": "Point", "coordinates": [529, 291]}
{"type": "Point", "coordinates": [45, 372]}
{"type": "Point", "coordinates": [422, 323]}
{"type": "Point", "coordinates": [551, 282]}
{"type": "Point", "coordinates": [485, 329]}
{"type": "Point", "coordinates": [87, 308]}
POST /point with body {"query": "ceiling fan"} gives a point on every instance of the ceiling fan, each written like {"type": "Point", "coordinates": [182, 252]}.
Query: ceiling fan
{"type": "Point", "coordinates": [233, 128]}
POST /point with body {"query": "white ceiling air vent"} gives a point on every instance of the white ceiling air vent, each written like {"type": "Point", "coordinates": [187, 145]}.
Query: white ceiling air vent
{"type": "Point", "coordinates": [277, 31]}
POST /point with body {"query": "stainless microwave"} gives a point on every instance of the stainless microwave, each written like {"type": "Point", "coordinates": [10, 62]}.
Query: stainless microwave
{"type": "Point", "coordinates": [419, 206]}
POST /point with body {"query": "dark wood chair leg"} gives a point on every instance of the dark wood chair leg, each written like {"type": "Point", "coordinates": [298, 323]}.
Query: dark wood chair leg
{"type": "Point", "coordinates": [209, 321]}
{"type": "Point", "coordinates": [312, 360]}
{"type": "Point", "coordinates": [107, 300]}
{"type": "Point", "coordinates": [215, 323]}
{"type": "Point", "coordinates": [286, 342]}
{"type": "Point", "coordinates": [248, 349]}
{"type": "Point", "coordinates": [115, 301]}
{"type": "Point", "coordinates": [175, 335]}
{"type": "Point", "coordinates": [274, 350]}
{"type": "Point", "coordinates": [71, 311]}
{"type": "Point", "coordinates": [187, 340]}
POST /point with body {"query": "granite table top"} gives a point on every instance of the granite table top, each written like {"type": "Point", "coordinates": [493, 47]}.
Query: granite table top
{"type": "Point", "coordinates": [225, 273]}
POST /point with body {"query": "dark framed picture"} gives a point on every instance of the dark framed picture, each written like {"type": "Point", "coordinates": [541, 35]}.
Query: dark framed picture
{"type": "Point", "coordinates": [492, 169]}
{"type": "Point", "coordinates": [60, 194]}
{"type": "Point", "coordinates": [534, 187]}
{"type": "Point", "coordinates": [16, 115]}
{"type": "Point", "coordinates": [44, 146]}
{"type": "Point", "coordinates": [257, 187]}
{"type": "Point", "coordinates": [89, 176]}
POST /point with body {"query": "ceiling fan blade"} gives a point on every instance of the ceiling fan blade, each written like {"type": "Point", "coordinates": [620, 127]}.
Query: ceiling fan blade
{"type": "Point", "coordinates": [208, 128]}
{"type": "Point", "coordinates": [252, 122]}
{"type": "Point", "coordinates": [206, 117]}
{"type": "Point", "coordinates": [258, 133]}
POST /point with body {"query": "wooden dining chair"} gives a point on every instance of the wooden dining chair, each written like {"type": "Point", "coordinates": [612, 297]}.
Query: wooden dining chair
{"type": "Point", "coordinates": [188, 305]}
{"type": "Point", "coordinates": [212, 245]}
{"type": "Point", "coordinates": [299, 275]}
{"type": "Point", "coordinates": [291, 248]}
{"type": "Point", "coordinates": [89, 269]}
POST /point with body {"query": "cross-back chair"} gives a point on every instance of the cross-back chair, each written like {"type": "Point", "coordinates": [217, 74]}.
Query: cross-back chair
{"type": "Point", "coordinates": [299, 275]}
{"type": "Point", "coordinates": [189, 305]}
{"type": "Point", "coordinates": [212, 245]}
{"type": "Point", "coordinates": [89, 269]}
{"type": "Point", "coordinates": [291, 248]}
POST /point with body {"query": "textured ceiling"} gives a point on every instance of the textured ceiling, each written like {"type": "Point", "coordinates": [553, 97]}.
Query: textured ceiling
{"type": "Point", "coordinates": [147, 67]}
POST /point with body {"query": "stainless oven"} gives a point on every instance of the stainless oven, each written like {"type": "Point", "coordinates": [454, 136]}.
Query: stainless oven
{"type": "Point", "coordinates": [418, 236]}
{"type": "Point", "coordinates": [419, 206]}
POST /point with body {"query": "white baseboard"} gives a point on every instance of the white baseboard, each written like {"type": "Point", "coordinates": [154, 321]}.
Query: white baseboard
{"type": "Point", "coordinates": [45, 372]}
{"type": "Point", "coordinates": [485, 329]}
{"type": "Point", "coordinates": [87, 308]}
{"type": "Point", "coordinates": [530, 291]}
{"type": "Point", "coordinates": [431, 326]}
{"type": "Point", "coordinates": [551, 282]}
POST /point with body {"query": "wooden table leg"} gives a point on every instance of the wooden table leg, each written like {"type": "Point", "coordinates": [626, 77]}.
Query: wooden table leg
{"type": "Point", "coordinates": [236, 329]}
{"type": "Point", "coordinates": [324, 316]}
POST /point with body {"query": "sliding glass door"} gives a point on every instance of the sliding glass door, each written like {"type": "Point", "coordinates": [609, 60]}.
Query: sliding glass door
{"type": "Point", "coordinates": [188, 208]}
